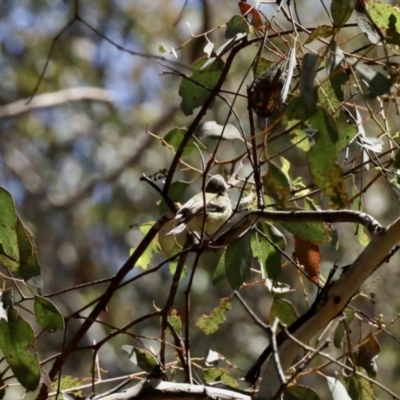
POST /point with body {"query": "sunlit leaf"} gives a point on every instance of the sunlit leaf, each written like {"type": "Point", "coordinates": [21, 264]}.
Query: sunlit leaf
{"type": "Point", "coordinates": [196, 89]}
{"type": "Point", "coordinates": [211, 129]}
{"type": "Point", "coordinates": [346, 135]}
{"type": "Point", "coordinates": [66, 382]}
{"type": "Point", "coordinates": [174, 139]}
{"type": "Point", "coordinates": [320, 32]}
{"type": "Point", "coordinates": [210, 323]}
{"type": "Point", "coordinates": [229, 381]}
{"type": "Point", "coordinates": [175, 320]}
{"type": "Point", "coordinates": [154, 247]}
{"type": "Point", "coordinates": [145, 360]}
{"type": "Point", "coordinates": [48, 316]}
{"type": "Point", "coordinates": [387, 18]}
{"type": "Point", "coordinates": [316, 232]}
{"type": "Point", "coordinates": [212, 375]}
{"type": "Point", "coordinates": [369, 31]}
{"type": "Point", "coordinates": [284, 310]}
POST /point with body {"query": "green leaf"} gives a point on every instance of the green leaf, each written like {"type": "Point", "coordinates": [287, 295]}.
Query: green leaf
{"type": "Point", "coordinates": [67, 382]}
{"type": "Point", "coordinates": [284, 310]}
{"type": "Point", "coordinates": [48, 316]}
{"type": "Point", "coordinates": [340, 330]}
{"type": "Point", "coordinates": [141, 357]}
{"type": "Point", "coordinates": [268, 256]}
{"type": "Point", "coordinates": [238, 262]}
{"type": "Point", "coordinates": [387, 19]}
{"type": "Point", "coordinates": [17, 249]}
{"type": "Point", "coordinates": [237, 24]}
{"type": "Point", "coordinates": [331, 93]}
{"type": "Point", "coordinates": [154, 247]}
{"type": "Point", "coordinates": [307, 80]}
{"type": "Point", "coordinates": [346, 135]}
{"type": "Point", "coordinates": [219, 272]}
{"type": "Point", "coordinates": [341, 11]}
{"type": "Point", "coordinates": [29, 268]}
{"type": "Point", "coordinates": [299, 392]}
{"type": "Point", "coordinates": [228, 380]}
{"type": "Point", "coordinates": [295, 119]}
{"type": "Point", "coordinates": [176, 191]}
{"type": "Point", "coordinates": [195, 95]}
{"type": "Point", "coordinates": [276, 183]}
{"type": "Point", "coordinates": [175, 320]}
{"type": "Point", "coordinates": [212, 375]}
{"type": "Point", "coordinates": [174, 139]}
{"type": "Point", "coordinates": [9, 253]}
{"type": "Point", "coordinates": [161, 49]}
{"type": "Point", "coordinates": [315, 232]}
{"type": "Point", "coordinates": [320, 32]}
{"type": "Point", "coordinates": [322, 159]}
{"type": "Point", "coordinates": [17, 342]}
{"type": "Point", "coordinates": [210, 323]}
{"type": "Point", "coordinates": [359, 388]}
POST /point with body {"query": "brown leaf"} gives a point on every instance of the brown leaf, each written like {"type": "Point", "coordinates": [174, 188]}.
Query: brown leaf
{"type": "Point", "coordinates": [307, 254]}
{"type": "Point", "coordinates": [246, 9]}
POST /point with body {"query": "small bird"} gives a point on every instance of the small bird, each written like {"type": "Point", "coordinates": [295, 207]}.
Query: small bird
{"type": "Point", "coordinates": [218, 209]}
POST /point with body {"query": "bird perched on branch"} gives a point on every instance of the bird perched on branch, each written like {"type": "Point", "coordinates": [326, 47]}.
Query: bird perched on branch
{"type": "Point", "coordinates": [217, 208]}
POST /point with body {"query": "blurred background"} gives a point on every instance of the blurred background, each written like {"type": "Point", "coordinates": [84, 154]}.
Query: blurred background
{"type": "Point", "coordinates": [74, 165]}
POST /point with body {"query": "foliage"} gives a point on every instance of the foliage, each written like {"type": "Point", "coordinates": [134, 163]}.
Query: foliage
{"type": "Point", "coordinates": [296, 111]}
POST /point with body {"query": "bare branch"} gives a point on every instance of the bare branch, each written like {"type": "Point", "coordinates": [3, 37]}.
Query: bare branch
{"type": "Point", "coordinates": [55, 99]}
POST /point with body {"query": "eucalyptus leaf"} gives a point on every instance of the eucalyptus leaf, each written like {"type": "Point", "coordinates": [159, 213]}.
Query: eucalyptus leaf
{"type": "Point", "coordinates": [213, 130]}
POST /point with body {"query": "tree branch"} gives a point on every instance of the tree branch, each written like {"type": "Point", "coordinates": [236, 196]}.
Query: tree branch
{"type": "Point", "coordinates": [332, 304]}
{"type": "Point", "coordinates": [55, 99]}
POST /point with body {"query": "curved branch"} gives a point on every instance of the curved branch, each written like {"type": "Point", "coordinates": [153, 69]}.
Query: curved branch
{"type": "Point", "coordinates": [55, 99]}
